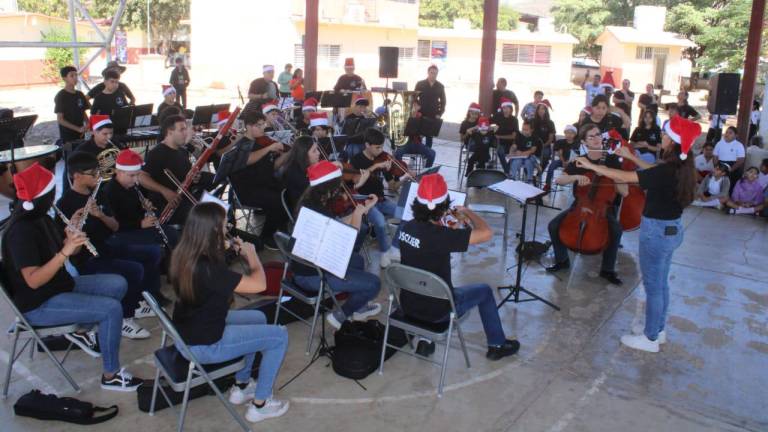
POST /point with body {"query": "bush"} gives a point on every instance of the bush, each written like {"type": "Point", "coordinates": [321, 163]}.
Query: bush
{"type": "Point", "coordinates": [57, 58]}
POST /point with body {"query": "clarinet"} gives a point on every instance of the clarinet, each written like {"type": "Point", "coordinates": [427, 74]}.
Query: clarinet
{"type": "Point", "coordinates": [88, 244]}
{"type": "Point", "coordinates": [148, 211]}
{"type": "Point", "coordinates": [88, 204]}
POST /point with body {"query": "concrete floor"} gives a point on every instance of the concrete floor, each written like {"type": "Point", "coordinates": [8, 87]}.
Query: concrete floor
{"type": "Point", "coordinates": [570, 375]}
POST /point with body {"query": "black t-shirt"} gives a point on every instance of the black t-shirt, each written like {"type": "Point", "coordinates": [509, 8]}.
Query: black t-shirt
{"type": "Point", "coordinates": [203, 322]}
{"type": "Point", "coordinates": [28, 243]}
{"type": "Point", "coordinates": [163, 106]}
{"type": "Point", "coordinates": [249, 180]}
{"type": "Point", "coordinates": [348, 82]}
{"type": "Point", "coordinates": [91, 147]}
{"type": "Point", "coordinates": [427, 246]}
{"type": "Point", "coordinates": [542, 130]}
{"type": "Point", "coordinates": [509, 94]}
{"type": "Point", "coordinates": [686, 111]}
{"type": "Point", "coordinates": [97, 231]}
{"type": "Point", "coordinates": [72, 106]}
{"type": "Point", "coordinates": [105, 103]}
{"type": "Point", "coordinates": [608, 122]}
{"type": "Point", "coordinates": [375, 183]}
{"type": "Point", "coordinates": [611, 161]}
{"type": "Point", "coordinates": [296, 182]}
{"type": "Point", "coordinates": [660, 184]}
{"type": "Point", "coordinates": [566, 147]}
{"type": "Point", "coordinates": [99, 88]}
{"type": "Point", "coordinates": [652, 136]}
{"type": "Point", "coordinates": [179, 78]}
{"type": "Point", "coordinates": [507, 126]}
{"type": "Point", "coordinates": [624, 107]}
{"type": "Point", "coordinates": [261, 86]}
{"type": "Point", "coordinates": [525, 143]}
{"type": "Point", "coordinates": [465, 125]}
{"type": "Point", "coordinates": [164, 157]}
{"type": "Point", "coordinates": [432, 98]}
{"type": "Point", "coordinates": [124, 205]}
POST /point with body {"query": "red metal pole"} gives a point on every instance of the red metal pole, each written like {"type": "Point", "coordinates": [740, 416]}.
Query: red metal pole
{"type": "Point", "coordinates": [750, 68]}
{"type": "Point", "coordinates": [488, 54]}
{"type": "Point", "coordinates": [311, 25]}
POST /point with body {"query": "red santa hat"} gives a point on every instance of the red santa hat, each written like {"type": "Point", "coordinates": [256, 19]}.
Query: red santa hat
{"type": "Point", "coordinates": [267, 68]}
{"type": "Point", "coordinates": [168, 90]}
{"type": "Point", "coordinates": [545, 102]}
{"type": "Point", "coordinates": [607, 80]}
{"type": "Point", "coordinates": [361, 100]}
{"type": "Point", "coordinates": [349, 62]}
{"type": "Point", "coordinates": [506, 102]}
{"type": "Point", "coordinates": [322, 172]}
{"type": "Point", "coordinates": [683, 132]}
{"type": "Point", "coordinates": [483, 123]}
{"type": "Point", "coordinates": [318, 119]}
{"type": "Point", "coordinates": [99, 121]}
{"type": "Point", "coordinates": [309, 105]}
{"type": "Point", "coordinates": [32, 183]}
{"type": "Point", "coordinates": [475, 107]}
{"type": "Point", "coordinates": [128, 160]}
{"type": "Point", "coordinates": [222, 117]}
{"type": "Point", "coordinates": [432, 190]}
{"type": "Point", "coordinates": [269, 106]}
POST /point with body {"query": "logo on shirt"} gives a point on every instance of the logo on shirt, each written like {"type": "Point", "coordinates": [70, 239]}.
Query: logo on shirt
{"type": "Point", "coordinates": [119, 101]}
{"type": "Point", "coordinates": [412, 241]}
{"type": "Point", "coordinates": [80, 103]}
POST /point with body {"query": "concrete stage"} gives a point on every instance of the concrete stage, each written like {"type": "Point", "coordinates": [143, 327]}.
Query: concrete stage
{"type": "Point", "coordinates": [571, 373]}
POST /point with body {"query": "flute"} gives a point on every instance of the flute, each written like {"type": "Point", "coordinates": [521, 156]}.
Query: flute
{"type": "Point", "coordinates": [88, 245]}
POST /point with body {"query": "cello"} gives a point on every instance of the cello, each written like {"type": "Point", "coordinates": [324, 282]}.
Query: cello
{"type": "Point", "coordinates": [584, 228]}
{"type": "Point", "coordinates": [632, 205]}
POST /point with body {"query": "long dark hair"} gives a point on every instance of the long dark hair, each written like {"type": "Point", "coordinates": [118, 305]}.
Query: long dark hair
{"type": "Point", "coordinates": [422, 213]}
{"type": "Point", "coordinates": [685, 174]}
{"type": "Point", "coordinates": [319, 197]}
{"type": "Point", "coordinates": [299, 154]}
{"type": "Point", "coordinates": [203, 237]}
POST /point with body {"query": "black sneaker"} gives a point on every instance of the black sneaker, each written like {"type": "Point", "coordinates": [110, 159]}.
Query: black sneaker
{"type": "Point", "coordinates": [425, 348]}
{"type": "Point", "coordinates": [565, 265]}
{"type": "Point", "coordinates": [611, 277]}
{"type": "Point", "coordinates": [86, 342]}
{"type": "Point", "coordinates": [122, 381]}
{"type": "Point", "coordinates": [507, 349]}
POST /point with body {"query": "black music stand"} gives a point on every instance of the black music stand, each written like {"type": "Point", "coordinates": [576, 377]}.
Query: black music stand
{"type": "Point", "coordinates": [12, 131]}
{"type": "Point", "coordinates": [131, 116]}
{"type": "Point", "coordinates": [516, 289]}
{"type": "Point", "coordinates": [203, 115]}
{"type": "Point", "coordinates": [331, 99]}
{"type": "Point", "coordinates": [423, 126]}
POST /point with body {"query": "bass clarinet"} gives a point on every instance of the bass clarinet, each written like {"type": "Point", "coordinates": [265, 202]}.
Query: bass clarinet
{"type": "Point", "coordinates": [149, 211]}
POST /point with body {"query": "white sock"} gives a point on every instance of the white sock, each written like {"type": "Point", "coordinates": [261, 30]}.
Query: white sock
{"type": "Point", "coordinates": [745, 210]}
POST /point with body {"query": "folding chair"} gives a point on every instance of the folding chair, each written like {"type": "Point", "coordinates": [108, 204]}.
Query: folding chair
{"type": "Point", "coordinates": [22, 329]}
{"type": "Point", "coordinates": [286, 207]}
{"type": "Point", "coordinates": [398, 277]}
{"type": "Point", "coordinates": [482, 178]}
{"type": "Point", "coordinates": [314, 299]}
{"type": "Point", "coordinates": [181, 374]}
{"type": "Point", "coordinates": [247, 213]}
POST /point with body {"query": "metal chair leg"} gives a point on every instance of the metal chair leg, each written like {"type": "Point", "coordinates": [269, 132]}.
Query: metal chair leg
{"type": "Point", "coordinates": [56, 361]}
{"type": "Point", "coordinates": [463, 345]}
{"type": "Point", "coordinates": [386, 335]}
{"type": "Point", "coordinates": [226, 403]}
{"type": "Point", "coordinates": [185, 400]}
{"type": "Point", "coordinates": [155, 388]}
{"type": "Point", "coordinates": [444, 365]}
{"type": "Point", "coordinates": [11, 359]}
{"type": "Point", "coordinates": [314, 319]}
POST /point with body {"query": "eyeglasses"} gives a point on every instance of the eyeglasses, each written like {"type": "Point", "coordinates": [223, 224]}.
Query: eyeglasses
{"type": "Point", "coordinates": [92, 173]}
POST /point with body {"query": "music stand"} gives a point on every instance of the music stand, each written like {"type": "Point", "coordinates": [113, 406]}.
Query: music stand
{"type": "Point", "coordinates": [15, 129]}
{"type": "Point", "coordinates": [516, 289]}
{"type": "Point", "coordinates": [204, 114]}
{"type": "Point", "coordinates": [331, 99]}
{"type": "Point", "coordinates": [423, 126]}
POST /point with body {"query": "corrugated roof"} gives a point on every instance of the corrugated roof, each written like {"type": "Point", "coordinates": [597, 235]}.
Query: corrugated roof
{"type": "Point", "coordinates": [631, 35]}
{"type": "Point", "coordinates": [518, 35]}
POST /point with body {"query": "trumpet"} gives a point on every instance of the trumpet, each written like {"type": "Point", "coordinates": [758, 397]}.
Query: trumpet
{"type": "Point", "coordinates": [88, 245]}
{"type": "Point", "coordinates": [149, 211]}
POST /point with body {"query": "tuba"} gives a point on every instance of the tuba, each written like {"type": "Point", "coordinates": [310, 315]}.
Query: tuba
{"type": "Point", "coordinates": [397, 117]}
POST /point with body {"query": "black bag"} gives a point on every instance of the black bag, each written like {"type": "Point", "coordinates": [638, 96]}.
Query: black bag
{"type": "Point", "coordinates": [51, 407]}
{"type": "Point", "coordinates": [358, 347]}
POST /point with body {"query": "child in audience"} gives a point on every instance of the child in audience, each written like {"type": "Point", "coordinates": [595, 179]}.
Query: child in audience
{"type": "Point", "coordinates": [747, 196]}
{"type": "Point", "coordinates": [705, 161]}
{"type": "Point", "coordinates": [713, 190]}
{"type": "Point", "coordinates": [762, 177]}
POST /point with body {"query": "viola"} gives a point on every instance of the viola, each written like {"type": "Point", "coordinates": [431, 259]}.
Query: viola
{"type": "Point", "coordinates": [632, 205]}
{"type": "Point", "coordinates": [397, 169]}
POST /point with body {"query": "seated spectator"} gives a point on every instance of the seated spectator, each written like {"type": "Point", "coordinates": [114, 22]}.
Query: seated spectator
{"type": "Point", "coordinates": [747, 196]}
{"type": "Point", "coordinates": [705, 162]}
{"type": "Point", "coordinates": [713, 190]}
{"type": "Point", "coordinates": [562, 153]}
{"type": "Point", "coordinates": [646, 138]}
{"type": "Point", "coordinates": [529, 110]}
{"type": "Point", "coordinates": [522, 154]}
{"type": "Point", "coordinates": [762, 177]}
{"type": "Point", "coordinates": [481, 140]}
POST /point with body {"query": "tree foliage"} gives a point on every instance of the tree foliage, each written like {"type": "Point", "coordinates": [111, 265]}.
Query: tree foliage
{"type": "Point", "coordinates": [585, 20]}
{"type": "Point", "coordinates": [57, 58]}
{"type": "Point", "coordinates": [441, 13]}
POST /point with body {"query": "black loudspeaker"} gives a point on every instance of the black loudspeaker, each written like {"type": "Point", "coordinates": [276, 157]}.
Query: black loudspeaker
{"type": "Point", "coordinates": [388, 62]}
{"type": "Point", "coordinates": [723, 93]}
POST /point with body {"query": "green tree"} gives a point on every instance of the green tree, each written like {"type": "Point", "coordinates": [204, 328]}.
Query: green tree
{"type": "Point", "coordinates": [441, 13]}
{"type": "Point", "coordinates": [57, 58]}
{"type": "Point", "coordinates": [585, 20]}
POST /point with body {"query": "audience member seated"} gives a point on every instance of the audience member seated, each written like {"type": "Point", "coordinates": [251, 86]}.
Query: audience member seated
{"type": "Point", "coordinates": [713, 190]}
{"type": "Point", "coordinates": [562, 152]}
{"type": "Point", "coordinates": [523, 152]}
{"type": "Point", "coordinates": [705, 162]}
{"type": "Point", "coordinates": [646, 138]}
{"type": "Point", "coordinates": [747, 196]}
{"type": "Point", "coordinates": [479, 144]}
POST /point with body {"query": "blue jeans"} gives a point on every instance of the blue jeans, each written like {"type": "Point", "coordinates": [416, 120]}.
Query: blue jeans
{"type": "Point", "coordinates": [246, 333]}
{"type": "Point", "coordinates": [413, 147]}
{"type": "Point", "coordinates": [648, 157]}
{"type": "Point", "coordinates": [361, 286]}
{"type": "Point", "coordinates": [377, 217]}
{"type": "Point", "coordinates": [94, 299]}
{"type": "Point", "coordinates": [428, 143]}
{"type": "Point", "coordinates": [131, 271]}
{"type": "Point", "coordinates": [555, 164]}
{"type": "Point", "coordinates": [501, 152]}
{"type": "Point", "coordinates": [528, 163]}
{"type": "Point", "coordinates": [468, 296]}
{"type": "Point", "coordinates": [656, 249]}
{"type": "Point", "coordinates": [149, 255]}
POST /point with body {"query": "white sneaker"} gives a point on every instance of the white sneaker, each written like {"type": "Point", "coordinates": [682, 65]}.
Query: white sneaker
{"type": "Point", "coordinates": [366, 311]}
{"type": "Point", "coordinates": [131, 330]}
{"type": "Point", "coordinates": [640, 330]}
{"type": "Point", "coordinates": [640, 342]}
{"type": "Point", "coordinates": [143, 311]}
{"type": "Point", "coordinates": [335, 319]}
{"type": "Point", "coordinates": [238, 396]}
{"type": "Point", "coordinates": [272, 408]}
{"type": "Point", "coordinates": [391, 255]}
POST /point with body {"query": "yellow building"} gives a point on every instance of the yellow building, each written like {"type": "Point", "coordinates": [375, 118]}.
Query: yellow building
{"type": "Point", "coordinates": [259, 33]}
{"type": "Point", "coordinates": [24, 66]}
{"type": "Point", "coordinates": [645, 53]}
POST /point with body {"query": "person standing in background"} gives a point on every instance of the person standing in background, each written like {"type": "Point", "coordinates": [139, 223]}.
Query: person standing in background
{"type": "Point", "coordinates": [180, 81]}
{"type": "Point", "coordinates": [431, 98]}
{"type": "Point", "coordinates": [284, 79]}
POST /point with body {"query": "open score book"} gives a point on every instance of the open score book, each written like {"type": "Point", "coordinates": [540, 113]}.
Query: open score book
{"type": "Point", "coordinates": [324, 241]}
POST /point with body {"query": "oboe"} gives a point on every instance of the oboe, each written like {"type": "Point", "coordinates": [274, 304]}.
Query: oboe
{"type": "Point", "coordinates": [149, 211]}
{"type": "Point", "coordinates": [88, 244]}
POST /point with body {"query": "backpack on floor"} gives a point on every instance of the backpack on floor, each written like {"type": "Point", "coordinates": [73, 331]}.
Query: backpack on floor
{"type": "Point", "coordinates": [42, 406]}
{"type": "Point", "coordinates": [357, 352]}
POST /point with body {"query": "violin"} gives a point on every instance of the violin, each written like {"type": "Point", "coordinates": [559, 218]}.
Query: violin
{"type": "Point", "coordinates": [397, 169]}
{"type": "Point", "coordinates": [632, 205]}
{"type": "Point", "coordinates": [452, 219]}
{"type": "Point", "coordinates": [343, 204]}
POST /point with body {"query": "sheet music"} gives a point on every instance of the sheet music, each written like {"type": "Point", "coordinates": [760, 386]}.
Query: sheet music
{"type": "Point", "coordinates": [143, 121]}
{"type": "Point", "coordinates": [323, 241]}
{"type": "Point", "coordinates": [518, 190]}
{"type": "Point", "coordinates": [457, 198]}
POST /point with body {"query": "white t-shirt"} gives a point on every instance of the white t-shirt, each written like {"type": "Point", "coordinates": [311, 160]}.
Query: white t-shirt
{"type": "Point", "coordinates": [717, 121]}
{"type": "Point", "coordinates": [754, 117]}
{"type": "Point", "coordinates": [763, 180]}
{"type": "Point", "coordinates": [592, 91]}
{"type": "Point", "coordinates": [729, 151]}
{"type": "Point", "coordinates": [714, 186]}
{"type": "Point", "coordinates": [702, 164]}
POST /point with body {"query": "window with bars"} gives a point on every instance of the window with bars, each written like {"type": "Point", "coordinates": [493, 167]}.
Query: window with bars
{"type": "Point", "coordinates": [530, 54]}
{"type": "Point", "coordinates": [424, 49]}
{"type": "Point", "coordinates": [405, 54]}
{"type": "Point", "coordinates": [298, 55]}
{"type": "Point", "coordinates": [649, 53]}
{"type": "Point", "coordinates": [329, 55]}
